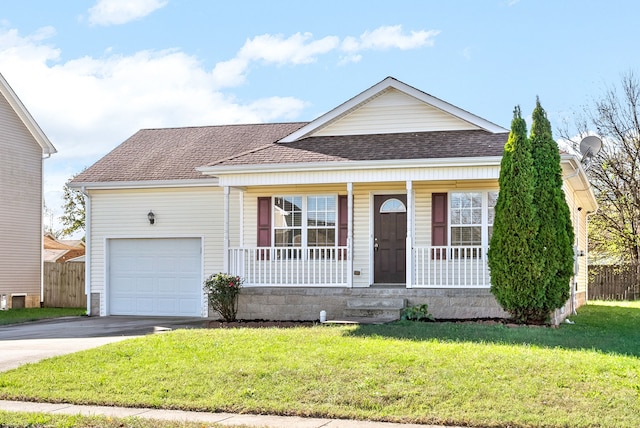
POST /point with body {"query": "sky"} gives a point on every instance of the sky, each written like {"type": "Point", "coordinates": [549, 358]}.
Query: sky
{"type": "Point", "coordinates": [93, 72]}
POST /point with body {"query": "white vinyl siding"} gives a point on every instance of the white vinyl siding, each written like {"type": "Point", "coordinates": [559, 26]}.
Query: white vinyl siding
{"type": "Point", "coordinates": [20, 207]}
{"type": "Point", "coordinates": [393, 112]}
{"type": "Point", "coordinates": [578, 219]}
{"type": "Point", "coordinates": [180, 213]}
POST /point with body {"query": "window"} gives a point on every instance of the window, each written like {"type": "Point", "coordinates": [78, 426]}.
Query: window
{"type": "Point", "coordinates": [471, 220]}
{"type": "Point", "coordinates": [287, 224]}
{"type": "Point", "coordinates": [309, 221]}
{"type": "Point", "coordinates": [321, 221]}
{"type": "Point", "coordinates": [466, 219]}
{"type": "Point", "coordinates": [393, 205]}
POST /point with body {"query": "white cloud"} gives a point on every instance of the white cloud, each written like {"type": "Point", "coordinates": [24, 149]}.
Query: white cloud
{"type": "Point", "coordinates": [302, 48]}
{"type": "Point", "coordinates": [296, 49]}
{"type": "Point", "coordinates": [272, 49]}
{"type": "Point", "coordinates": [389, 37]}
{"type": "Point", "coordinates": [117, 12]}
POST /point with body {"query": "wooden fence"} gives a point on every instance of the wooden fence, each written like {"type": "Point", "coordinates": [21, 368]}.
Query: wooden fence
{"type": "Point", "coordinates": [64, 285]}
{"type": "Point", "coordinates": [614, 282]}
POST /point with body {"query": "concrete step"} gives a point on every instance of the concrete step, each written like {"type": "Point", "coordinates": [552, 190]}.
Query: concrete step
{"type": "Point", "coordinates": [361, 320]}
{"type": "Point", "coordinates": [375, 303]}
{"type": "Point", "coordinates": [388, 314]}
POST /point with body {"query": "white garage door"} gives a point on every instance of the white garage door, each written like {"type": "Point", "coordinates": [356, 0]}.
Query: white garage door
{"type": "Point", "coordinates": [155, 277]}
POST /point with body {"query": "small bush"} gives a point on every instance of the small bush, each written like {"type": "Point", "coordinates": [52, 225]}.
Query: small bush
{"type": "Point", "coordinates": [223, 290]}
{"type": "Point", "coordinates": [417, 313]}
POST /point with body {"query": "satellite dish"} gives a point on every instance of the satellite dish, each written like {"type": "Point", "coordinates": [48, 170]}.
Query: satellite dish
{"type": "Point", "coordinates": [589, 147]}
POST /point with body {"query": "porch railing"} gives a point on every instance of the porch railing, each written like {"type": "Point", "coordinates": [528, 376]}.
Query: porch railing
{"type": "Point", "coordinates": [433, 267]}
{"type": "Point", "coordinates": [451, 267]}
{"type": "Point", "coordinates": [290, 266]}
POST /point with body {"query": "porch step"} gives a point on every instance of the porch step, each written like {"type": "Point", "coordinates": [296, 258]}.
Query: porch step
{"type": "Point", "coordinates": [375, 308]}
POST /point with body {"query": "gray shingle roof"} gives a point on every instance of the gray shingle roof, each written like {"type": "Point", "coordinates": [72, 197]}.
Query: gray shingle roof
{"type": "Point", "coordinates": [414, 145]}
{"type": "Point", "coordinates": [175, 153]}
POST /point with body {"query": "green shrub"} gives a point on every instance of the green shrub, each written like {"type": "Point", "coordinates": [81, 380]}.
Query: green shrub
{"type": "Point", "coordinates": [223, 290]}
{"type": "Point", "coordinates": [417, 313]}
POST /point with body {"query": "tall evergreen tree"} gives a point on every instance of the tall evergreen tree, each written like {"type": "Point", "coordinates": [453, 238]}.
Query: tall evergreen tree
{"type": "Point", "coordinates": [514, 269]}
{"type": "Point", "coordinates": [554, 240]}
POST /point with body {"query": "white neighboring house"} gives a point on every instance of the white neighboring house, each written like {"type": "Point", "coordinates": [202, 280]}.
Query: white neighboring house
{"type": "Point", "coordinates": [23, 148]}
{"type": "Point", "coordinates": [386, 201]}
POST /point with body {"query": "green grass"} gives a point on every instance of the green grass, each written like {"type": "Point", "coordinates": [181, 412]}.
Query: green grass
{"type": "Point", "coordinates": [581, 375]}
{"type": "Point", "coordinates": [14, 316]}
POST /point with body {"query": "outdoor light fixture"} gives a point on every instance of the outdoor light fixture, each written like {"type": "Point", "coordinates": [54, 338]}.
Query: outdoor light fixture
{"type": "Point", "coordinates": [152, 217]}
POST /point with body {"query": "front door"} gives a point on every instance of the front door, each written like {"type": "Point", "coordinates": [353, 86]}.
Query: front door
{"type": "Point", "coordinates": [389, 240]}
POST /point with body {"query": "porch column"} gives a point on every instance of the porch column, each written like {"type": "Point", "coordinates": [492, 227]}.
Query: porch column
{"type": "Point", "coordinates": [225, 237]}
{"type": "Point", "coordinates": [350, 235]}
{"type": "Point", "coordinates": [409, 243]}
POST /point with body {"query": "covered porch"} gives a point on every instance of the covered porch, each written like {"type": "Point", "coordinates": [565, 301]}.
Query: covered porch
{"type": "Point", "coordinates": [396, 235]}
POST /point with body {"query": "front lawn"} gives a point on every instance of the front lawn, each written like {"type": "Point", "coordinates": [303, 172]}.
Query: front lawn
{"type": "Point", "coordinates": [581, 375]}
{"type": "Point", "coordinates": [14, 316]}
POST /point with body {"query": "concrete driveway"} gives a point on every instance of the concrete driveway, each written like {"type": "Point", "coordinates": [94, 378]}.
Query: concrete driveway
{"type": "Point", "coordinates": [35, 341]}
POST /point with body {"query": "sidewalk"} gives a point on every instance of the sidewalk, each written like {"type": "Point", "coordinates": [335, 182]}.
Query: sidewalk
{"type": "Point", "coordinates": [219, 418]}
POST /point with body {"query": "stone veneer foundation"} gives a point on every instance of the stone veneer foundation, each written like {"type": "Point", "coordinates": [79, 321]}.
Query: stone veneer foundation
{"type": "Point", "coordinates": [293, 303]}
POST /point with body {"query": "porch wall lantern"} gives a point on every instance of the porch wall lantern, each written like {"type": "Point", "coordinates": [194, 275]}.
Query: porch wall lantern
{"type": "Point", "coordinates": [152, 217]}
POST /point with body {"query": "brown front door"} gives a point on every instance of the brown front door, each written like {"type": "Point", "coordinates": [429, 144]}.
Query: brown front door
{"type": "Point", "coordinates": [390, 232]}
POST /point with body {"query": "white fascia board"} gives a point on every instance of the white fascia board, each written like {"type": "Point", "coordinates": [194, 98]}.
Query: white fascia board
{"type": "Point", "coordinates": [352, 165]}
{"type": "Point", "coordinates": [149, 184]}
{"type": "Point", "coordinates": [579, 181]}
{"type": "Point", "coordinates": [373, 91]}
{"type": "Point", "coordinates": [26, 118]}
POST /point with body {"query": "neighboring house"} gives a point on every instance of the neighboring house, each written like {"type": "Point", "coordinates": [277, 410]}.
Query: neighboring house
{"type": "Point", "coordinates": [385, 201]}
{"type": "Point", "coordinates": [60, 250]}
{"type": "Point", "coordinates": [23, 148]}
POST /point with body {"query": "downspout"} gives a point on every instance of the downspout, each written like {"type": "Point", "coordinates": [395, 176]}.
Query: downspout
{"type": "Point", "coordinates": [48, 155]}
{"type": "Point", "coordinates": [87, 246]}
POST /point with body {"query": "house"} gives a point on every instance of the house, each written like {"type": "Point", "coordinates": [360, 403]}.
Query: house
{"type": "Point", "coordinates": [385, 201]}
{"type": "Point", "coordinates": [61, 250]}
{"type": "Point", "coordinates": [23, 148]}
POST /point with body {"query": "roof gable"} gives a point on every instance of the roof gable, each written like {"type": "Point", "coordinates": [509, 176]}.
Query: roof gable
{"type": "Point", "coordinates": [392, 107]}
{"type": "Point", "coordinates": [25, 117]}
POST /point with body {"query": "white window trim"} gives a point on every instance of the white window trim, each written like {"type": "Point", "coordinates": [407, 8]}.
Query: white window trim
{"type": "Point", "coordinates": [484, 226]}
{"type": "Point", "coordinates": [305, 212]}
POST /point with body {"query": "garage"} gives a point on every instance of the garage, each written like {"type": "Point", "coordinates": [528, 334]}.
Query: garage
{"type": "Point", "coordinates": [155, 277]}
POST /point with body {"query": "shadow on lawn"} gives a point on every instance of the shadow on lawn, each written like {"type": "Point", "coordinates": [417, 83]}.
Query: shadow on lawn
{"type": "Point", "coordinates": [603, 328]}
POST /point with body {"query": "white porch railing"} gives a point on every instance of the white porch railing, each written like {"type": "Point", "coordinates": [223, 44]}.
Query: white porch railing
{"type": "Point", "coordinates": [451, 267]}
{"type": "Point", "coordinates": [286, 266]}
{"type": "Point", "coordinates": [433, 267]}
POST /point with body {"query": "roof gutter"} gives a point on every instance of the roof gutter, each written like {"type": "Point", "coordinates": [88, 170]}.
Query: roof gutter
{"type": "Point", "coordinates": [147, 184]}
{"type": "Point", "coordinates": [351, 165]}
